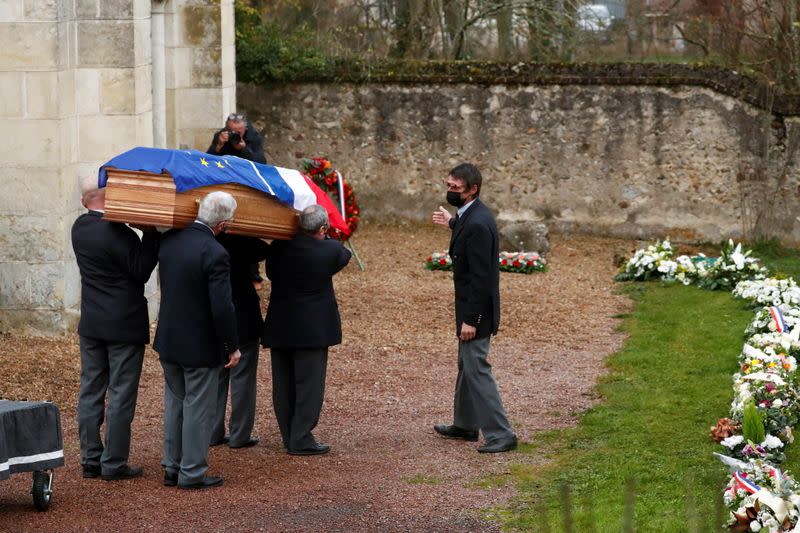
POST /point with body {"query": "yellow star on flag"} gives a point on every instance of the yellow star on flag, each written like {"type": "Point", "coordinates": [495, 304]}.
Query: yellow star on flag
{"type": "Point", "coordinates": [220, 165]}
{"type": "Point", "coordinates": [203, 161]}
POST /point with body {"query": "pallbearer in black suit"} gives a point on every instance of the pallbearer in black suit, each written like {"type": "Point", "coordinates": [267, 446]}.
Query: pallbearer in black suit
{"type": "Point", "coordinates": [196, 336]}
{"type": "Point", "coordinates": [114, 327]}
{"type": "Point", "coordinates": [302, 322]}
{"type": "Point", "coordinates": [476, 276]}
{"type": "Point", "coordinates": [244, 252]}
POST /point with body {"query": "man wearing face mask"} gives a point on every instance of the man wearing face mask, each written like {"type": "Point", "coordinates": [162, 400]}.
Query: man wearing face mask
{"type": "Point", "coordinates": [476, 276]}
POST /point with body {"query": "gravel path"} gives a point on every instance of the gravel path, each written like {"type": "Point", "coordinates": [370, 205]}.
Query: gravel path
{"type": "Point", "coordinates": [389, 382]}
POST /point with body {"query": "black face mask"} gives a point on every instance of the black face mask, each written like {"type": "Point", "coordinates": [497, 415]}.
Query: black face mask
{"type": "Point", "coordinates": [454, 199]}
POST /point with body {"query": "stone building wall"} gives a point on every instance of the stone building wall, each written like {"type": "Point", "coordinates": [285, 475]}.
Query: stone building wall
{"type": "Point", "coordinates": [77, 86]}
{"type": "Point", "coordinates": [625, 160]}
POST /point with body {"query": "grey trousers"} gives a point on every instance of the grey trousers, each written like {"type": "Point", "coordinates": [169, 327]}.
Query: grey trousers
{"type": "Point", "coordinates": [298, 388]}
{"type": "Point", "coordinates": [242, 379]}
{"type": "Point", "coordinates": [189, 408]}
{"type": "Point", "coordinates": [477, 404]}
{"type": "Point", "coordinates": [113, 368]}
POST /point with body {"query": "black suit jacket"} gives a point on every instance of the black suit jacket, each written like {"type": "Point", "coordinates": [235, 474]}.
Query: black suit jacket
{"type": "Point", "coordinates": [196, 321]}
{"type": "Point", "coordinates": [114, 266]}
{"type": "Point", "coordinates": [474, 247]}
{"type": "Point", "coordinates": [253, 146]}
{"type": "Point", "coordinates": [302, 311]}
{"type": "Point", "coordinates": [244, 252]}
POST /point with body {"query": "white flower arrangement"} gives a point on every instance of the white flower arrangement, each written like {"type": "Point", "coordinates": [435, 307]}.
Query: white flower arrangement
{"type": "Point", "coordinates": [764, 322]}
{"type": "Point", "coordinates": [774, 343]}
{"type": "Point", "coordinates": [769, 291]}
{"type": "Point", "coordinates": [732, 266]}
{"type": "Point", "coordinates": [646, 263]}
{"type": "Point", "coordinates": [760, 497]}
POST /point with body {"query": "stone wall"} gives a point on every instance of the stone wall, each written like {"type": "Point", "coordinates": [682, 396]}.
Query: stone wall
{"type": "Point", "coordinates": [624, 160]}
{"type": "Point", "coordinates": [77, 86]}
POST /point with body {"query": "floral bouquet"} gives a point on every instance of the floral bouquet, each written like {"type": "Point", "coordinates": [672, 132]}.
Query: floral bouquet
{"type": "Point", "coordinates": [769, 291]}
{"type": "Point", "coordinates": [781, 318]}
{"type": "Point", "coordinates": [524, 262]}
{"type": "Point", "coordinates": [325, 176]}
{"type": "Point", "coordinates": [439, 261]}
{"type": "Point", "coordinates": [761, 498]}
{"type": "Point", "coordinates": [776, 400]}
{"type": "Point", "coordinates": [652, 262]}
{"type": "Point", "coordinates": [731, 267]}
{"type": "Point", "coordinates": [777, 345]}
{"type": "Point", "coordinates": [771, 449]}
{"type": "Point", "coordinates": [690, 268]}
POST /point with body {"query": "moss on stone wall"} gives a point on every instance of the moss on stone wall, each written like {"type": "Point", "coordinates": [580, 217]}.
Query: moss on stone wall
{"type": "Point", "coordinates": [719, 79]}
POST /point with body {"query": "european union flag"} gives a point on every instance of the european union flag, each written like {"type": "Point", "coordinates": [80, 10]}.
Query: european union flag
{"type": "Point", "coordinates": [191, 169]}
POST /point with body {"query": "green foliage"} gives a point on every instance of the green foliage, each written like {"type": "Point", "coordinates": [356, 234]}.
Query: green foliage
{"type": "Point", "coordinates": [265, 52]}
{"type": "Point", "coordinates": [753, 424]}
{"type": "Point", "coordinates": [642, 459]}
{"type": "Point", "coordinates": [782, 262]}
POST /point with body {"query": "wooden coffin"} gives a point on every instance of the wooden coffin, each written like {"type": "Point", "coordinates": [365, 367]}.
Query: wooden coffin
{"type": "Point", "coordinates": [151, 200]}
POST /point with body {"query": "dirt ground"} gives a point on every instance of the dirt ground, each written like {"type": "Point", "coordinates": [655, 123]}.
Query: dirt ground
{"type": "Point", "coordinates": [388, 383]}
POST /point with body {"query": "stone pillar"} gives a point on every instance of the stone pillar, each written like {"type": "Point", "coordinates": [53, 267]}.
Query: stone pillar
{"type": "Point", "coordinates": [37, 142]}
{"type": "Point", "coordinates": [75, 79]}
{"type": "Point", "coordinates": [200, 70]}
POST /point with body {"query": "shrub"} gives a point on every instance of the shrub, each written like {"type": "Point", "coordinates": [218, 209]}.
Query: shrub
{"type": "Point", "coordinates": [266, 52]}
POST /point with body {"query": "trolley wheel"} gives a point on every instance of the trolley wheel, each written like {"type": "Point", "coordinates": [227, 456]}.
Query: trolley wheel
{"type": "Point", "coordinates": [42, 489]}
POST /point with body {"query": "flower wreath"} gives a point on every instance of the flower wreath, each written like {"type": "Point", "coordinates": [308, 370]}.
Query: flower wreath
{"type": "Point", "coordinates": [322, 172]}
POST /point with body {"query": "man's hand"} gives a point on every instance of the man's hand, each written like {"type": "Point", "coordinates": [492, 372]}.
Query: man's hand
{"type": "Point", "coordinates": [467, 332]}
{"type": "Point", "coordinates": [222, 140]}
{"type": "Point", "coordinates": [233, 359]}
{"type": "Point", "coordinates": [442, 217]}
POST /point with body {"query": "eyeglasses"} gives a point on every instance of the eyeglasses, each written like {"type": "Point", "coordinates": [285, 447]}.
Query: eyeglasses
{"type": "Point", "coordinates": [234, 116]}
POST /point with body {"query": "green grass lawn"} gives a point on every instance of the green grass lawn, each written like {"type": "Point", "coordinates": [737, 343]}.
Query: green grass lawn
{"type": "Point", "coordinates": [642, 459]}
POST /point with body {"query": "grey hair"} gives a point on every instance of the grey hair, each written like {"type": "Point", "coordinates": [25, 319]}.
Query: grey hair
{"type": "Point", "coordinates": [312, 218]}
{"type": "Point", "coordinates": [216, 207]}
{"type": "Point", "coordinates": [89, 189]}
{"type": "Point", "coordinates": [87, 183]}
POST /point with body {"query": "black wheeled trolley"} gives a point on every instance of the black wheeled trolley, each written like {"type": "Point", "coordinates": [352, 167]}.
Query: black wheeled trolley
{"type": "Point", "coordinates": [31, 441]}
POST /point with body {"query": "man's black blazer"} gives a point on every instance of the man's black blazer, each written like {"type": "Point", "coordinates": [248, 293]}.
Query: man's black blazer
{"type": "Point", "coordinates": [302, 311]}
{"type": "Point", "coordinates": [196, 321]}
{"type": "Point", "coordinates": [474, 246]}
{"type": "Point", "coordinates": [253, 149]}
{"type": "Point", "coordinates": [114, 266]}
{"type": "Point", "coordinates": [244, 252]}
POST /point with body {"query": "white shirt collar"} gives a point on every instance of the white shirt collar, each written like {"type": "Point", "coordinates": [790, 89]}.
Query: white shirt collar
{"type": "Point", "coordinates": [203, 224]}
{"type": "Point", "coordinates": [464, 207]}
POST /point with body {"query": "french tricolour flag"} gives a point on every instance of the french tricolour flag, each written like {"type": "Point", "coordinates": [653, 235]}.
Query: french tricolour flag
{"type": "Point", "coordinates": [191, 169]}
{"type": "Point", "coordinates": [777, 318]}
{"type": "Point", "coordinates": [742, 482]}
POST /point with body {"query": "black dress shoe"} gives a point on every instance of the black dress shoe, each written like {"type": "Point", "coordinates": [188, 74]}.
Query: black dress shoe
{"type": "Point", "coordinates": [170, 480]}
{"type": "Point", "coordinates": [455, 432]}
{"type": "Point", "coordinates": [223, 440]}
{"type": "Point", "coordinates": [252, 441]}
{"type": "Point", "coordinates": [317, 449]}
{"type": "Point", "coordinates": [205, 483]}
{"type": "Point", "coordinates": [497, 446]}
{"type": "Point", "coordinates": [91, 471]}
{"type": "Point", "coordinates": [126, 472]}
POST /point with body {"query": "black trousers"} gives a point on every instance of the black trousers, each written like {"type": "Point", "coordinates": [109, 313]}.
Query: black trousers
{"type": "Point", "coordinates": [298, 388]}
